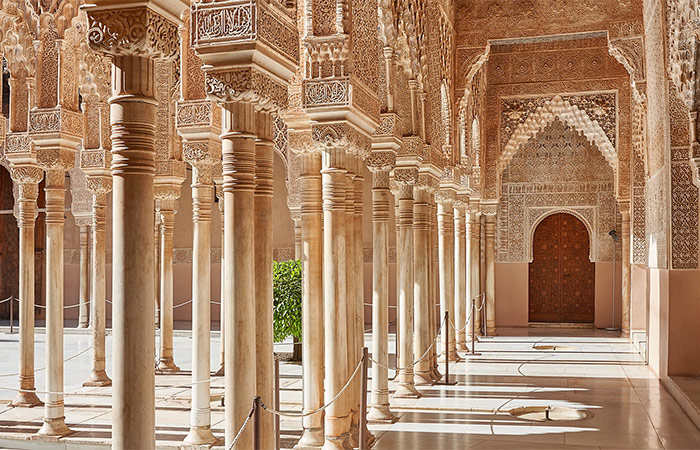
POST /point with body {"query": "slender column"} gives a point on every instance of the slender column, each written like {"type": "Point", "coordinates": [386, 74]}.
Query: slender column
{"type": "Point", "coordinates": [337, 419]}
{"type": "Point", "coordinates": [99, 186]}
{"type": "Point", "coordinates": [54, 418]}
{"type": "Point", "coordinates": [264, 152]}
{"type": "Point", "coordinates": [434, 291]}
{"type": "Point", "coordinates": [312, 299]}
{"type": "Point", "coordinates": [167, 227]}
{"type": "Point", "coordinates": [133, 115]}
{"type": "Point", "coordinates": [421, 294]}
{"type": "Point", "coordinates": [490, 237]}
{"type": "Point", "coordinates": [157, 262]}
{"type": "Point", "coordinates": [626, 272]}
{"type": "Point", "coordinates": [460, 274]}
{"type": "Point", "coordinates": [350, 300]}
{"type": "Point", "coordinates": [27, 178]}
{"type": "Point", "coordinates": [200, 415]}
{"type": "Point", "coordinates": [298, 250]}
{"type": "Point", "coordinates": [446, 268]}
{"type": "Point", "coordinates": [474, 264]}
{"type": "Point", "coordinates": [83, 315]}
{"type": "Point", "coordinates": [222, 306]}
{"type": "Point", "coordinates": [406, 387]}
{"type": "Point", "coordinates": [381, 201]}
{"type": "Point", "coordinates": [415, 123]}
{"type": "Point", "coordinates": [238, 150]}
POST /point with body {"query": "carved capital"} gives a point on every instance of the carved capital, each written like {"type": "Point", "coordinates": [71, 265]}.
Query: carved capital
{"type": "Point", "coordinates": [170, 171]}
{"type": "Point", "coordinates": [246, 84]}
{"type": "Point", "coordinates": [379, 161]}
{"type": "Point", "coordinates": [139, 31]}
{"type": "Point", "coordinates": [301, 142]}
{"type": "Point", "coordinates": [201, 153]}
{"type": "Point", "coordinates": [99, 185]}
{"type": "Point", "coordinates": [56, 159]}
{"type": "Point", "coordinates": [406, 175]}
{"type": "Point", "coordinates": [26, 174]}
{"type": "Point", "coordinates": [342, 135]}
{"type": "Point", "coordinates": [445, 196]}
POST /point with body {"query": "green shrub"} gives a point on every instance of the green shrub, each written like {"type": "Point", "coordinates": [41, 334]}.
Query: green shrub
{"type": "Point", "coordinates": [287, 299]}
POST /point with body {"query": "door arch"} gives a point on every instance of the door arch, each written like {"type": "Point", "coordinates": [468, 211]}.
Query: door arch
{"type": "Point", "coordinates": [561, 276]}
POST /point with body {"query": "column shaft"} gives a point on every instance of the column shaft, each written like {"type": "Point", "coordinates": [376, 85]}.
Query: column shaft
{"type": "Point", "coordinates": [133, 114]}
{"type": "Point", "coordinates": [421, 294]}
{"type": "Point", "coordinates": [446, 268]}
{"type": "Point", "coordinates": [626, 274]}
{"type": "Point", "coordinates": [461, 313]}
{"type": "Point", "coordinates": [379, 411]}
{"type": "Point", "coordinates": [312, 299]}
{"type": "Point", "coordinates": [490, 255]}
{"type": "Point", "coordinates": [84, 313]}
{"type": "Point", "coordinates": [28, 193]}
{"type": "Point", "coordinates": [434, 301]}
{"type": "Point", "coordinates": [264, 154]}
{"type": "Point", "coordinates": [474, 264]}
{"type": "Point", "coordinates": [406, 387]}
{"type": "Point", "coordinates": [54, 419]}
{"type": "Point", "coordinates": [337, 418]}
{"type": "Point", "coordinates": [167, 214]}
{"type": "Point", "coordinates": [200, 417]}
{"type": "Point", "coordinates": [98, 376]}
{"type": "Point", "coordinates": [239, 184]}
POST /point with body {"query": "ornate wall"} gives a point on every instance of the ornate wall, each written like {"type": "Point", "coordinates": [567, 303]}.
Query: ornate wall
{"type": "Point", "coordinates": [557, 170]}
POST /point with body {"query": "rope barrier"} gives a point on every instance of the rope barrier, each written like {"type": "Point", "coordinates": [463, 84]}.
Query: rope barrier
{"type": "Point", "coordinates": [372, 304]}
{"type": "Point", "coordinates": [398, 369]}
{"type": "Point", "coordinates": [245, 424]}
{"type": "Point", "coordinates": [6, 300]}
{"type": "Point", "coordinates": [43, 368]}
{"type": "Point", "coordinates": [322, 408]}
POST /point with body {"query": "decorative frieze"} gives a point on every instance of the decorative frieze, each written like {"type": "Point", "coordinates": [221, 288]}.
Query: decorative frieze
{"type": "Point", "coordinates": [55, 120]}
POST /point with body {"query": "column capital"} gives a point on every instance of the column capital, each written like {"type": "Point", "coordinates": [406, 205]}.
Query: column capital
{"type": "Point", "coordinates": [445, 197]}
{"type": "Point", "coordinates": [99, 185]}
{"type": "Point", "coordinates": [381, 161]}
{"type": "Point", "coordinates": [461, 203]}
{"type": "Point", "coordinates": [145, 28]}
{"type": "Point", "coordinates": [406, 175]}
{"type": "Point", "coordinates": [341, 135]}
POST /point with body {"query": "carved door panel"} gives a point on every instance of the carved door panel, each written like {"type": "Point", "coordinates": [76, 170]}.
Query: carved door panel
{"type": "Point", "coordinates": [561, 275]}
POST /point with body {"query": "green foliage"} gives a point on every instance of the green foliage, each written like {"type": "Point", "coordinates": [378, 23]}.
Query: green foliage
{"type": "Point", "coordinates": [287, 299]}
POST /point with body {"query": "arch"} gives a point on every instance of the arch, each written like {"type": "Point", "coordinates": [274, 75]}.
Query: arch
{"type": "Point", "coordinates": [556, 210]}
{"type": "Point", "coordinates": [567, 113]}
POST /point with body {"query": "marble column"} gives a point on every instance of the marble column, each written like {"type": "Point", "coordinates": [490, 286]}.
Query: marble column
{"type": "Point", "coordinates": [312, 300]}
{"type": "Point", "coordinates": [55, 189]}
{"type": "Point", "coordinates": [27, 178]}
{"type": "Point", "coordinates": [167, 203]}
{"type": "Point", "coordinates": [84, 309]}
{"type": "Point", "coordinates": [334, 179]}
{"type": "Point", "coordinates": [490, 256]}
{"type": "Point", "coordinates": [434, 301]}
{"type": "Point", "coordinates": [350, 300]}
{"type": "Point", "coordinates": [238, 148]}
{"type": "Point", "coordinates": [133, 116]}
{"type": "Point", "coordinates": [406, 385]}
{"type": "Point", "coordinates": [474, 264]}
{"type": "Point", "coordinates": [200, 414]}
{"type": "Point", "coordinates": [264, 153]}
{"type": "Point", "coordinates": [626, 271]}
{"type": "Point", "coordinates": [99, 187]}
{"type": "Point", "coordinates": [222, 306]}
{"type": "Point", "coordinates": [421, 294]}
{"type": "Point", "coordinates": [460, 274]}
{"type": "Point", "coordinates": [380, 163]}
{"type": "Point", "coordinates": [156, 261]}
{"type": "Point", "coordinates": [445, 201]}
{"type": "Point", "coordinates": [298, 250]}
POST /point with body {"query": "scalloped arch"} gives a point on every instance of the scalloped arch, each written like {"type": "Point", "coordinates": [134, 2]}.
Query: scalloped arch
{"type": "Point", "coordinates": [567, 113]}
{"type": "Point", "coordinates": [589, 226]}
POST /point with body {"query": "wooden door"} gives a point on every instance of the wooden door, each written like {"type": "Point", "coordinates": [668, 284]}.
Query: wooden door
{"type": "Point", "coordinates": [561, 275]}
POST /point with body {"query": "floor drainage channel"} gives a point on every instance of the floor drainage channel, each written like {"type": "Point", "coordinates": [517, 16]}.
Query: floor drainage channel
{"type": "Point", "coordinates": [549, 413]}
{"type": "Point", "coordinates": [555, 347]}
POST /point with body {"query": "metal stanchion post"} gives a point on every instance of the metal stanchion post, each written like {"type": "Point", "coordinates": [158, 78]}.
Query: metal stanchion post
{"type": "Point", "coordinates": [473, 319]}
{"type": "Point", "coordinates": [363, 400]}
{"type": "Point", "coordinates": [12, 318]}
{"type": "Point", "coordinates": [483, 302]}
{"type": "Point", "coordinates": [278, 431]}
{"type": "Point", "coordinates": [398, 346]}
{"type": "Point", "coordinates": [256, 424]}
{"type": "Point", "coordinates": [446, 324]}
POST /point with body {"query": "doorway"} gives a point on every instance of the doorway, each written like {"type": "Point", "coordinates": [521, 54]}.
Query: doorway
{"type": "Point", "coordinates": [561, 275]}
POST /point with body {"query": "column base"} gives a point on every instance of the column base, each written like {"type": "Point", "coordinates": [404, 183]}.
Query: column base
{"type": "Point", "coordinates": [381, 414]}
{"type": "Point", "coordinates": [436, 375]}
{"type": "Point", "coordinates": [454, 357]}
{"type": "Point", "coordinates": [312, 438]}
{"type": "Point", "coordinates": [55, 427]}
{"type": "Point", "coordinates": [83, 325]}
{"type": "Point", "coordinates": [491, 331]}
{"type": "Point", "coordinates": [462, 346]}
{"type": "Point", "coordinates": [200, 436]}
{"type": "Point", "coordinates": [220, 372]}
{"type": "Point", "coordinates": [337, 443]}
{"type": "Point", "coordinates": [625, 334]}
{"type": "Point", "coordinates": [407, 391]}
{"type": "Point", "coordinates": [354, 438]}
{"type": "Point", "coordinates": [422, 378]}
{"type": "Point", "coordinates": [26, 399]}
{"type": "Point", "coordinates": [167, 365]}
{"type": "Point", "coordinates": [98, 378]}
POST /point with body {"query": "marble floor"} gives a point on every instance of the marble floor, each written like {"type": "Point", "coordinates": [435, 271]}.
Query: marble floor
{"type": "Point", "coordinates": [591, 371]}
